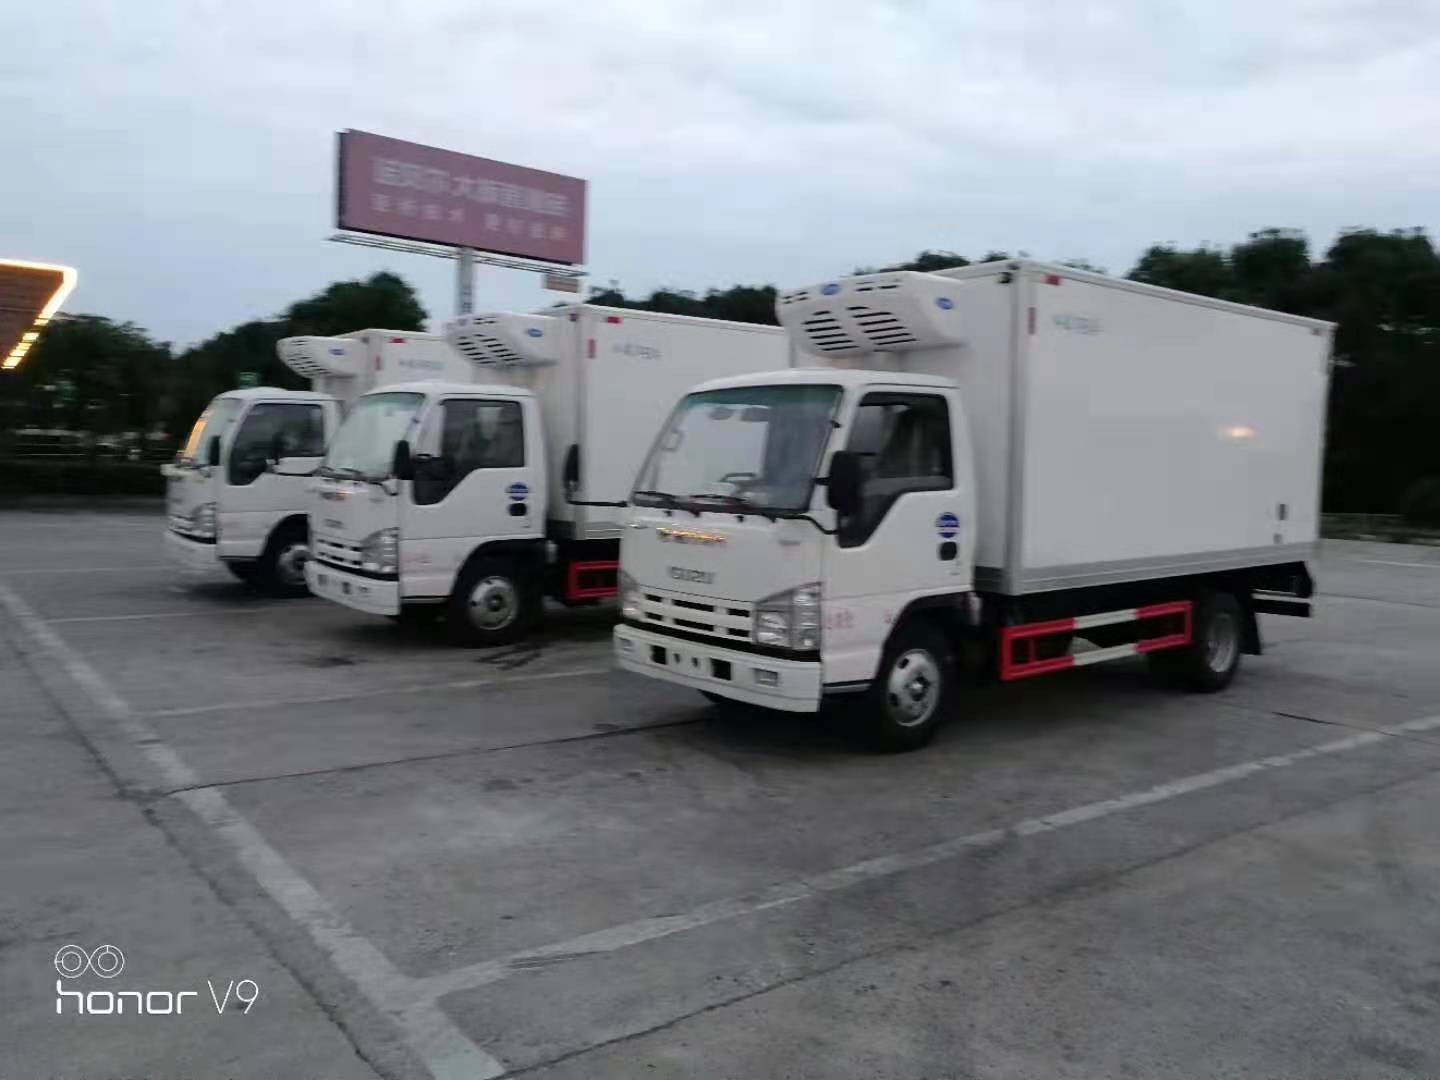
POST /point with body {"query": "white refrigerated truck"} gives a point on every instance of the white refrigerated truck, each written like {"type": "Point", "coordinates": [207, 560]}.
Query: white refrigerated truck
{"type": "Point", "coordinates": [1011, 468]}
{"type": "Point", "coordinates": [477, 495]}
{"type": "Point", "coordinates": [230, 504]}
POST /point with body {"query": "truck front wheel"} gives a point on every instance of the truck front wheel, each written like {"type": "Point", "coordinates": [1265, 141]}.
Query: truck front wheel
{"type": "Point", "coordinates": [912, 691]}
{"type": "Point", "coordinates": [281, 569]}
{"type": "Point", "coordinates": [1211, 659]}
{"type": "Point", "coordinates": [496, 601]}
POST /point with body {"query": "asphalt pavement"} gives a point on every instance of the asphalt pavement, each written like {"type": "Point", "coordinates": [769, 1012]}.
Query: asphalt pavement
{"type": "Point", "coordinates": [365, 853]}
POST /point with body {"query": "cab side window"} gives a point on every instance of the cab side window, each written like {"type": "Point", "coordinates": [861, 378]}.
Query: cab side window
{"type": "Point", "coordinates": [302, 434]}
{"type": "Point", "coordinates": [903, 441]}
{"type": "Point", "coordinates": [473, 435]}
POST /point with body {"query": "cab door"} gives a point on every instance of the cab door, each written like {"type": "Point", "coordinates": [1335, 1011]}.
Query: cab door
{"type": "Point", "coordinates": [912, 535]}
{"type": "Point", "coordinates": [479, 476]}
{"type": "Point", "coordinates": [252, 498]}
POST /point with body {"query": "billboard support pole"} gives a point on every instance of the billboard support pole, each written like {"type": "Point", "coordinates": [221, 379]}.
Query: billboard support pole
{"type": "Point", "coordinates": [464, 280]}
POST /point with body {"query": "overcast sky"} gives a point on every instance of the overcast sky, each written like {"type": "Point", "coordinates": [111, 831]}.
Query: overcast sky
{"type": "Point", "coordinates": [181, 152]}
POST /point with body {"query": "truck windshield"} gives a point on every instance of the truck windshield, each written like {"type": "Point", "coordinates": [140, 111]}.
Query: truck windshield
{"type": "Point", "coordinates": [213, 421]}
{"type": "Point", "coordinates": [755, 446]}
{"type": "Point", "coordinates": [365, 444]}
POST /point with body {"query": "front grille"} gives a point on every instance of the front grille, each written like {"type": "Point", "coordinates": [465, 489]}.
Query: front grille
{"type": "Point", "coordinates": [333, 551]}
{"type": "Point", "coordinates": [724, 620]}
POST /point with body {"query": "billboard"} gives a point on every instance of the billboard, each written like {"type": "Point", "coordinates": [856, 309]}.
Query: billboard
{"type": "Point", "coordinates": [402, 189]}
{"type": "Point", "coordinates": [30, 293]}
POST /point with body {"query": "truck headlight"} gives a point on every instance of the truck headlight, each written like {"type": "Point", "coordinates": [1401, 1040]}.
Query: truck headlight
{"type": "Point", "coordinates": [630, 598]}
{"type": "Point", "coordinates": [379, 552]}
{"type": "Point", "coordinates": [790, 620]}
{"type": "Point", "coordinates": [204, 522]}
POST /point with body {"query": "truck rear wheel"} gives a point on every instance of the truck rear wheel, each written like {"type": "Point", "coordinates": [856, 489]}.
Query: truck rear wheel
{"type": "Point", "coordinates": [281, 569]}
{"type": "Point", "coordinates": [1211, 659]}
{"type": "Point", "coordinates": [496, 601]}
{"type": "Point", "coordinates": [912, 691]}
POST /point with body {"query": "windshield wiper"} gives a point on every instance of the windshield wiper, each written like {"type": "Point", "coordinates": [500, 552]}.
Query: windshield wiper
{"type": "Point", "coordinates": [739, 502]}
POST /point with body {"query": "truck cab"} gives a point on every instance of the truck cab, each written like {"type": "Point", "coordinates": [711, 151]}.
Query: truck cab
{"type": "Point", "coordinates": [442, 465]}
{"type": "Point", "coordinates": [753, 587]}
{"type": "Point", "coordinates": [227, 506]}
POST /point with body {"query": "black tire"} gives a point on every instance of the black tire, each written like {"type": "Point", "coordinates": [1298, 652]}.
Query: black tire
{"type": "Point", "coordinates": [245, 571]}
{"type": "Point", "coordinates": [495, 601]}
{"type": "Point", "coordinates": [912, 692]}
{"type": "Point", "coordinates": [1210, 661]}
{"type": "Point", "coordinates": [280, 571]}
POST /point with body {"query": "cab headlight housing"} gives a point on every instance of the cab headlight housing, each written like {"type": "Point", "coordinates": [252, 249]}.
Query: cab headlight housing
{"type": "Point", "coordinates": [380, 551]}
{"type": "Point", "coordinates": [204, 522]}
{"type": "Point", "coordinates": [630, 598]}
{"type": "Point", "coordinates": [790, 619]}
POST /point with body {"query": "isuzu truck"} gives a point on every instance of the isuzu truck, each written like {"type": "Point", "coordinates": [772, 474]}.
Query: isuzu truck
{"type": "Point", "coordinates": [501, 481]}
{"type": "Point", "coordinates": [231, 502]}
{"type": "Point", "coordinates": [998, 471]}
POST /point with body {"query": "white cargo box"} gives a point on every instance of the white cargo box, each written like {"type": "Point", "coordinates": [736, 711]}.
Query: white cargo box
{"type": "Point", "coordinates": [606, 379]}
{"type": "Point", "coordinates": [1120, 431]}
{"type": "Point", "coordinates": [355, 363]}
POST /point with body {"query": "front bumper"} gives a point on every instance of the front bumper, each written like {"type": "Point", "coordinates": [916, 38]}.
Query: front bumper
{"type": "Point", "coordinates": [796, 683]}
{"type": "Point", "coordinates": [353, 590]}
{"type": "Point", "coordinates": [193, 558]}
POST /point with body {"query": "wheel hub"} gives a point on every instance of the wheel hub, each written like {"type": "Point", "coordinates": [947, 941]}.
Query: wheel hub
{"type": "Point", "coordinates": [493, 603]}
{"type": "Point", "coordinates": [912, 689]}
{"type": "Point", "coordinates": [290, 564]}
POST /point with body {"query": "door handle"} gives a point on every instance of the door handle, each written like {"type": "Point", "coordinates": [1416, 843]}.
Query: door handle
{"type": "Point", "coordinates": [518, 509]}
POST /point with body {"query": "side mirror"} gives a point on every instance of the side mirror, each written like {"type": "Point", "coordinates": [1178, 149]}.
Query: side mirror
{"type": "Point", "coordinates": [842, 490]}
{"type": "Point", "coordinates": [212, 451]}
{"type": "Point", "coordinates": [402, 466]}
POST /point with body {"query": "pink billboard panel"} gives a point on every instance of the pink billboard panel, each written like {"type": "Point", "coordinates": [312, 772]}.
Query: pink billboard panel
{"type": "Point", "coordinates": [397, 188]}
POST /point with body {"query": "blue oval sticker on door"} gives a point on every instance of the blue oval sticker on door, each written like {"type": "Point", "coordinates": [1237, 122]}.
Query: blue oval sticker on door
{"type": "Point", "coordinates": [517, 492]}
{"type": "Point", "coordinates": [947, 524]}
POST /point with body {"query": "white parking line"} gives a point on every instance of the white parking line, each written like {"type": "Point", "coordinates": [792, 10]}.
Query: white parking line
{"type": "Point", "coordinates": [212, 612]}
{"type": "Point", "coordinates": [783, 894]}
{"type": "Point", "coordinates": [78, 569]}
{"type": "Point", "coordinates": [418, 688]}
{"type": "Point", "coordinates": [433, 1037]}
{"type": "Point", "coordinates": [1393, 562]}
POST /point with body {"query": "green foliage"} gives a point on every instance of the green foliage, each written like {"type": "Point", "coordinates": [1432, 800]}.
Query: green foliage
{"type": "Point", "coordinates": [740, 303]}
{"type": "Point", "coordinates": [1421, 503]}
{"type": "Point", "coordinates": [1202, 270]}
{"type": "Point", "coordinates": [383, 300]}
{"type": "Point", "coordinates": [87, 373]}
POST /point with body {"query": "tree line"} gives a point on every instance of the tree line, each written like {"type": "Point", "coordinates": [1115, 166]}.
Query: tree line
{"type": "Point", "coordinates": [1382, 289]}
